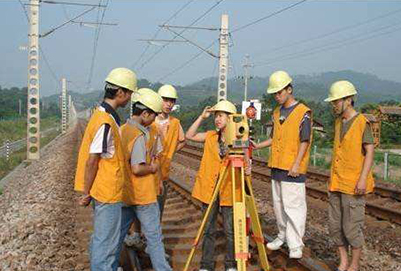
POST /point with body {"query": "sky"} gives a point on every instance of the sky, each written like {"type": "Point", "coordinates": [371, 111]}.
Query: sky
{"type": "Point", "coordinates": [312, 37]}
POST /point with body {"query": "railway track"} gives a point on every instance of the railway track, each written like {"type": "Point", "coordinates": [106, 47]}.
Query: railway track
{"type": "Point", "coordinates": [384, 203]}
{"type": "Point", "coordinates": [181, 220]}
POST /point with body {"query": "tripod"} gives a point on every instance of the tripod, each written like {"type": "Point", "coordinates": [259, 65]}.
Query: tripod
{"type": "Point", "coordinates": [242, 204]}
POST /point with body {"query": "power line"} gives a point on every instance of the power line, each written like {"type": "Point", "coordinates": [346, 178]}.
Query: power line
{"type": "Point", "coordinates": [186, 63]}
{"type": "Point", "coordinates": [194, 22]}
{"type": "Point", "coordinates": [95, 44]}
{"type": "Point", "coordinates": [336, 31]}
{"type": "Point", "coordinates": [159, 29]}
{"type": "Point", "coordinates": [329, 47]}
{"type": "Point", "coordinates": [71, 3]}
{"type": "Point", "coordinates": [268, 16]}
{"type": "Point", "coordinates": [65, 23]}
{"type": "Point", "coordinates": [55, 77]}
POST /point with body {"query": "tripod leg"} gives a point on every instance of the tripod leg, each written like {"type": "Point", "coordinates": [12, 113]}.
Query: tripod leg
{"type": "Point", "coordinates": [255, 226]}
{"type": "Point", "coordinates": [239, 209]}
{"type": "Point", "coordinates": [222, 177]}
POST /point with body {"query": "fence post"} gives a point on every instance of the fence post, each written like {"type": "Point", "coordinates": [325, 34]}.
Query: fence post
{"type": "Point", "coordinates": [385, 174]}
{"type": "Point", "coordinates": [7, 150]}
{"type": "Point", "coordinates": [314, 155]}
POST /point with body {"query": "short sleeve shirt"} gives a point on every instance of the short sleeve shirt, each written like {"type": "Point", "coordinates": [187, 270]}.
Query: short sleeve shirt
{"type": "Point", "coordinates": [367, 134]}
{"type": "Point", "coordinates": [103, 142]}
{"type": "Point", "coordinates": [138, 153]}
{"type": "Point", "coordinates": [305, 130]}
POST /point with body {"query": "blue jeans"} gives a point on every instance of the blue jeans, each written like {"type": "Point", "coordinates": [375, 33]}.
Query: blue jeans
{"type": "Point", "coordinates": [106, 235]}
{"type": "Point", "coordinates": [149, 217]}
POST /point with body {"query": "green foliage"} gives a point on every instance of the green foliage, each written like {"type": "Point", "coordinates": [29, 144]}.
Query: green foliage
{"type": "Point", "coordinates": [9, 104]}
{"type": "Point", "coordinates": [16, 158]}
{"type": "Point", "coordinates": [393, 159]}
{"type": "Point", "coordinates": [189, 114]}
{"type": "Point", "coordinates": [16, 129]}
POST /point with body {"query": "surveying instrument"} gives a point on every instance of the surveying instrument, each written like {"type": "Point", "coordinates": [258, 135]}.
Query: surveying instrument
{"type": "Point", "coordinates": [236, 136]}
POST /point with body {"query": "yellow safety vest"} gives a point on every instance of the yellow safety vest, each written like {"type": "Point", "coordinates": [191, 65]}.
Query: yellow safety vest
{"type": "Point", "coordinates": [286, 140]}
{"type": "Point", "coordinates": [348, 158]}
{"type": "Point", "coordinates": [208, 174]}
{"type": "Point", "coordinates": [138, 190]}
{"type": "Point", "coordinates": [108, 184]}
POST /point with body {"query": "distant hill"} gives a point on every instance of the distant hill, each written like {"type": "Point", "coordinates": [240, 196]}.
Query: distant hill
{"type": "Point", "coordinates": [309, 87]}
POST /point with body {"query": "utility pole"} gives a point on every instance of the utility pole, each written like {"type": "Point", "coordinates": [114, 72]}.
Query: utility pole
{"type": "Point", "coordinates": [223, 60]}
{"type": "Point", "coordinates": [63, 105]}
{"type": "Point", "coordinates": [246, 66]}
{"type": "Point", "coordinates": [33, 129]}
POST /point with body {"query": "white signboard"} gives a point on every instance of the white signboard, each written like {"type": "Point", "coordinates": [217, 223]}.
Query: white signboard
{"type": "Point", "coordinates": [256, 104]}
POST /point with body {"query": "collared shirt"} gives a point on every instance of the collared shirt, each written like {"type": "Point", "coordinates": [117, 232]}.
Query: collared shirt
{"type": "Point", "coordinates": [138, 153]}
{"type": "Point", "coordinates": [103, 142]}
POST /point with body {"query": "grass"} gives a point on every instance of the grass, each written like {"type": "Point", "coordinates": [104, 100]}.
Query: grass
{"type": "Point", "coordinates": [17, 157]}
{"type": "Point", "coordinates": [393, 159]}
{"type": "Point", "coordinates": [16, 129]}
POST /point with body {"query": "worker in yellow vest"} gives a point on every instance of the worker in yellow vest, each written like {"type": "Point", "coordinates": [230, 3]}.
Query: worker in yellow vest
{"type": "Point", "coordinates": [289, 158]}
{"type": "Point", "coordinates": [172, 136]}
{"type": "Point", "coordinates": [351, 174]}
{"type": "Point", "coordinates": [101, 171]}
{"type": "Point", "coordinates": [140, 191]}
{"type": "Point", "coordinates": [214, 151]}
{"type": "Point", "coordinates": [134, 238]}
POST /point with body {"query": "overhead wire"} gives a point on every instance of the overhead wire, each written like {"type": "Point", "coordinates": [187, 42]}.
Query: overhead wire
{"type": "Point", "coordinates": [194, 22]}
{"type": "Point", "coordinates": [268, 16]}
{"type": "Point", "coordinates": [332, 46]}
{"type": "Point", "coordinates": [336, 31]}
{"type": "Point", "coordinates": [186, 63]}
{"type": "Point", "coordinates": [67, 22]}
{"type": "Point", "coordinates": [95, 44]}
{"type": "Point", "coordinates": [159, 29]}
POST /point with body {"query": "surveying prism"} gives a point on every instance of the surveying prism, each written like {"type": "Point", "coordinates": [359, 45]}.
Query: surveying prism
{"type": "Point", "coordinates": [236, 136]}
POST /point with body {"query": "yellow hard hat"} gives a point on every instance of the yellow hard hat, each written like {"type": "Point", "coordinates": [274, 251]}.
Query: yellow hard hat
{"type": "Point", "coordinates": [149, 98]}
{"type": "Point", "coordinates": [122, 77]}
{"type": "Point", "coordinates": [278, 81]}
{"type": "Point", "coordinates": [224, 106]}
{"type": "Point", "coordinates": [341, 89]}
{"type": "Point", "coordinates": [168, 91]}
{"type": "Point", "coordinates": [137, 93]}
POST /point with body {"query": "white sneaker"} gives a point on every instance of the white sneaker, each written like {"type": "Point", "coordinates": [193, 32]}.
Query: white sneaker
{"type": "Point", "coordinates": [296, 253]}
{"type": "Point", "coordinates": [275, 245]}
{"type": "Point", "coordinates": [120, 269]}
{"type": "Point", "coordinates": [231, 269]}
{"type": "Point", "coordinates": [203, 270]}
